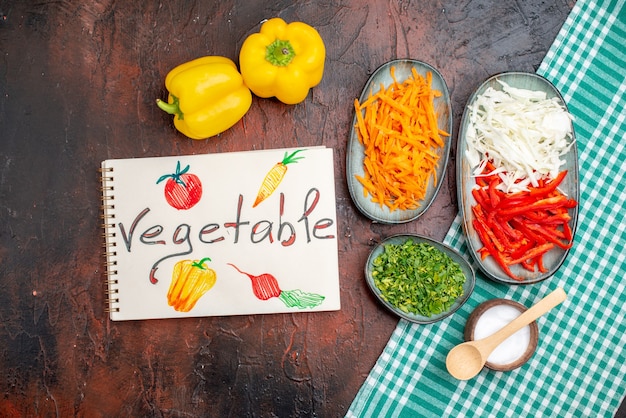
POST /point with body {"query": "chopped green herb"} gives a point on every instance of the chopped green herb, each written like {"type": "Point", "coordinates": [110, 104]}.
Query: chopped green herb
{"type": "Point", "coordinates": [418, 278]}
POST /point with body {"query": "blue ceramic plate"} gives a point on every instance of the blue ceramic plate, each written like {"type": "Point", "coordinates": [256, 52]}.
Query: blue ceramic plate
{"type": "Point", "coordinates": [465, 182]}
{"type": "Point", "coordinates": [355, 152]}
{"type": "Point", "coordinates": [468, 272]}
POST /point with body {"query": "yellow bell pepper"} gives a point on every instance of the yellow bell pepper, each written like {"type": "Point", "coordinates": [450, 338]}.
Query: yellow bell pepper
{"type": "Point", "coordinates": [283, 60]}
{"type": "Point", "coordinates": [206, 96]}
{"type": "Point", "coordinates": [190, 280]}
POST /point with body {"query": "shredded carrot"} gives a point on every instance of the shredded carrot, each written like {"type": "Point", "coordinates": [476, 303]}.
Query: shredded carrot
{"type": "Point", "coordinates": [398, 129]}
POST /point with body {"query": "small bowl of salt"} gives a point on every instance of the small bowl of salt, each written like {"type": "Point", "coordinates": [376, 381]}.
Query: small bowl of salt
{"type": "Point", "coordinates": [492, 315]}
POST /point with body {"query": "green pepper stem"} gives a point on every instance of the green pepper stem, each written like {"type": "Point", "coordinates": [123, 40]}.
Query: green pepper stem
{"type": "Point", "coordinates": [171, 108]}
{"type": "Point", "coordinates": [200, 264]}
{"type": "Point", "coordinates": [279, 53]}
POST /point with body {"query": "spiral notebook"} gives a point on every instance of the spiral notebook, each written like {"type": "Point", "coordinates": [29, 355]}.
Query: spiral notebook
{"type": "Point", "coordinates": [238, 233]}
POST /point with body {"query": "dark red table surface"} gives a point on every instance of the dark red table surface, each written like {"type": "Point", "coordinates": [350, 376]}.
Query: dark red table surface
{"type": "Point", "coordinates": [78, 84]}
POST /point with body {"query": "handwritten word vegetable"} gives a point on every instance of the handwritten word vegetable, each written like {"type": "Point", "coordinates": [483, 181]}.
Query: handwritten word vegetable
{"type": "Point", "coordinates": [274, 176]}
{"type": "Point", "coordinates": [283, 60]}
{"type": "Point", "coordinates": [206, 96]}
{"type": "Point", "coordinates": [310, 224]}
{"type": "Point", "coordinates": [520, 228]}
{"type": "Point", "coordinates": [265, 286]}
{"type": "Point", "coordinates": [182, 189]}
{"type": "Point", "coordinates": [418, 278]}
{"type": "Point", "coordinates": [522, 132]}
{"type": "Point", "coordinates": [398, 128]}
{"type": "Point", "coordinates": [190, 281]}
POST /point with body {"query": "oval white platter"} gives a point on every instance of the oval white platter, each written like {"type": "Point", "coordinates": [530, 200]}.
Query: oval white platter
{"type": "Point", "coordinates": [355, 150]}
{"type": "Point", "coordinates": [465, 182]}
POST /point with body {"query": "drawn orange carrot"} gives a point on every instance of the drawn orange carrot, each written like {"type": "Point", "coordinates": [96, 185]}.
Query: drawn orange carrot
{"type": "Point", "coordinates": [274, 176]}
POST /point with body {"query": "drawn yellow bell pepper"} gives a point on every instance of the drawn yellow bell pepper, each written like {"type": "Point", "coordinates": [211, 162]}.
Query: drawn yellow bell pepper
{"type": "Point", "coordinates": [190, 281]}
{"type": "Point", "coordinates": [206, 96]}
{"type": "Point", "coordinates": [283, 60]}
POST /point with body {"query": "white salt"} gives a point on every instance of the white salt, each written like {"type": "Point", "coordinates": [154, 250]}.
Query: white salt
{"type": "Point", "coordinates": [492, 320]}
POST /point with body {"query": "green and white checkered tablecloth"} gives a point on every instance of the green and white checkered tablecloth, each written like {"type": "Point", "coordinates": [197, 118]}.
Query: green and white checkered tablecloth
{"type": "Point", "coordinates": [579, 368]}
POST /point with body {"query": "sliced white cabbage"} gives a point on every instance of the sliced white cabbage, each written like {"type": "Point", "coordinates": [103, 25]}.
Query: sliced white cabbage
{"type": "Point", "coordinates": [522, 131]}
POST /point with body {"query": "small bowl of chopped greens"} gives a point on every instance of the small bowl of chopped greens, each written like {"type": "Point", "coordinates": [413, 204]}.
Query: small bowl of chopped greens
{"type": "Point", "coordinates": [419, 279]}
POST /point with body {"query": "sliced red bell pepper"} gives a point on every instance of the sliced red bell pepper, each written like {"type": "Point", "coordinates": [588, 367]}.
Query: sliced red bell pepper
{"type": "Point", "coordinates": [548, 219]}
{"type": "Point", "coordinates": [516, 199]}
{"type": "Point", "coordinates": [485, 238]}
{"type": "Point", "coordinates": [541, 204]}
{"type": "Point", "coordinates": [523, 249]}
{"type": "Point", "coordinates": [540, 266]}
{"type": "Point", "coordinates": [512, 233]}
{"type": "Point", "coordinates": [519, 224]}
{"type": "Point", "coordinates": [535, 252]}
{"type": "Point", "coordinates": [494, 198]}
{"type": "Point", "coordinates": [567, 231]}
{"type": "Point", "coordinates": [549, 237]}
{"type": "Point", "coordinates": [481, 181]}
{"type": "Point", "coordinates": [479, 197]}
{"type": "Point", "coordinates": [519, 228]}
{"type": "Point", "coordinates": [480, 218]}
{"type": "Point", "coordinates": [501, 233]}
{"type": "Point", "coordinates": [528, 265]}
{"type": "Point", "coordinates": [550, 187]}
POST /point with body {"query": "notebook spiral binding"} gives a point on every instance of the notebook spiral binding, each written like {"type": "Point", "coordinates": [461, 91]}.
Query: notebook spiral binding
{"type": "Point", "coordinates": [108, 228]}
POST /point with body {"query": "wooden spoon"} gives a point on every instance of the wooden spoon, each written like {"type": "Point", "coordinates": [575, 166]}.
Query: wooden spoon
{"type": "Point", "coordinates": [466, 360]}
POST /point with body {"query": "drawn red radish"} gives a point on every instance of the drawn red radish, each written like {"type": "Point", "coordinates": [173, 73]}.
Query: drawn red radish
{"type": "Point", "coordinates": [182, 189]}
{"type": "Point", "coordinates": [265, 286]}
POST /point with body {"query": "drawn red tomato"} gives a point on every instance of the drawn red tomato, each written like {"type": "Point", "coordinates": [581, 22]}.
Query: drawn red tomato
{"type": "Point", "coordinates": [182, 190]}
